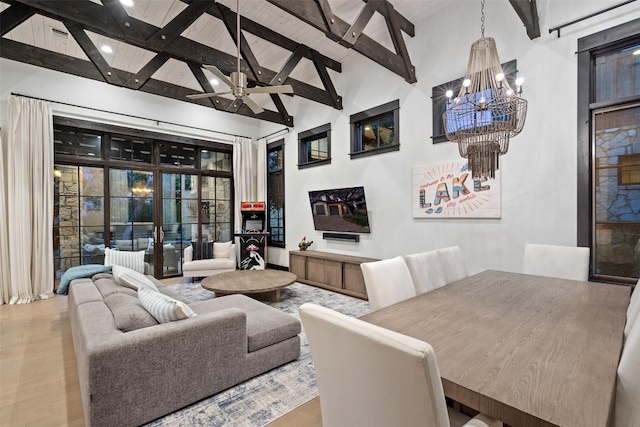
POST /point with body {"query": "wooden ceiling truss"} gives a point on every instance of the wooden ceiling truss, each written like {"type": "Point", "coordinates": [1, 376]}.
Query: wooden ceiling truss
{"type": "Point", "coordinates": [167, 43]}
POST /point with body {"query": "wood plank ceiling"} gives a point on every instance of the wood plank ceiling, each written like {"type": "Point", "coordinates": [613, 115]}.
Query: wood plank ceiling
{"type": "Point", "coordinates": [159, 46]}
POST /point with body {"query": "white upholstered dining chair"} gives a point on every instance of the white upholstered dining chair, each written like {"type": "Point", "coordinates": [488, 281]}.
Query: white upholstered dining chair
{"type": "Point", "coordinates": [453, 264]}
{"type": "Point", "coordinates": [426, 271]}
{"type": "Point", "coordinates": [371, 376]}
{"type": "Point", "coordinates": [627, 405]}
{"type": "Point", "coordinates": [633, 311]}
{"type": "Point", "coordinates": [563, 262]}
{"type": "Point", "coordinates": [387, 281]}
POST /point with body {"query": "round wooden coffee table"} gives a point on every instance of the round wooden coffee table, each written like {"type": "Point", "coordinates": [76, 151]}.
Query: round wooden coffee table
{"type": "Point", "coordinates": [260, 284]}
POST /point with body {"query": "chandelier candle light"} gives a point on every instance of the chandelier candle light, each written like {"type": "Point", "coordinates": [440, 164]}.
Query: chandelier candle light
{"type": "Point", "coordinates": [486, 112]}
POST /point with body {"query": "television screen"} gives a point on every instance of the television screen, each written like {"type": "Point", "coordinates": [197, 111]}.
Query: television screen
{"type": "Point", "coordinates": [341, 209]}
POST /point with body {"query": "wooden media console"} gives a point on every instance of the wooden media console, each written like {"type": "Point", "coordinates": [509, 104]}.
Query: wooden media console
{"type": "Point", "coordinates": [339, 273]}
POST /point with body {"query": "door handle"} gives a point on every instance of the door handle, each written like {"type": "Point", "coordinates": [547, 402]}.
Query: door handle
{"type": "Point", "coordinates": [161, 234]}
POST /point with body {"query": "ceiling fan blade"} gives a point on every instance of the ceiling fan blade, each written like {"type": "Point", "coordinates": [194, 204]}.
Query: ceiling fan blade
{"type": "Point", "coordinates": [208, 95]}
{"type": "Point", "coordinates": [201, 95]}
{"type": "Point", "coordinates": [219, 75]}
{"type": "Point", "coordinates": [270, 89]}
{"type": "Point", "coordinates": [254, 107]}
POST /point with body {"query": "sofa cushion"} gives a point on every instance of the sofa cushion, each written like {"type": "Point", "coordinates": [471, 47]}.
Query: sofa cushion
{"type": "Point", "coordinates": [265, 325]}
{"type": "Point", "coordinates": [202, 250]}
{"type": "Point", "coordinates": [209, 264]}
{"type": "Point", "coordinates": [132, 279]}
{"type": "Point", "coordinates": [221, 249]}
{"type": "Point", "coordinates": [128, 313]}
{"type": "Point", "coordinates": [132, 260]}
{"type": "Point", "coordinates": [164, 308]}
{"type": "Point", "coordinates": [110, 286]}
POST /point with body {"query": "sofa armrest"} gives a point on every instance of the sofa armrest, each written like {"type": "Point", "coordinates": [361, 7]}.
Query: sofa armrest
{"type": "Point", "coordinates": [232, 253]}
{"type": "Point", "coordinates": [169, 365]}
{"type": "Point", "coordinates": [188, 254]}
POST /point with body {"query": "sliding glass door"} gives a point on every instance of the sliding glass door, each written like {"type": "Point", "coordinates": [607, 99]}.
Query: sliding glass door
{"type": "Point", "coordinates": [148, 192]}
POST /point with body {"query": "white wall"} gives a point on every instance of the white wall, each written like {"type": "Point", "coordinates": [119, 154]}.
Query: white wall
{"type": "Point", "coordinates": [538, 172]}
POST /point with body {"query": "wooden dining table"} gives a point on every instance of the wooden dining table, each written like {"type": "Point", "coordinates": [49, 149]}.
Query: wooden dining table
{"type": "Point", "coordinates": [527, 350]}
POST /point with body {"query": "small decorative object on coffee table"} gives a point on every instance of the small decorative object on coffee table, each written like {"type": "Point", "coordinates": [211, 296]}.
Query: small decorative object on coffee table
{"type": "Point", "coordinates": [260, 284]}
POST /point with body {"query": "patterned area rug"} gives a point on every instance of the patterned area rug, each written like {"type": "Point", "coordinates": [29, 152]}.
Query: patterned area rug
{"type": "Point", "coordinates": [262, 399]}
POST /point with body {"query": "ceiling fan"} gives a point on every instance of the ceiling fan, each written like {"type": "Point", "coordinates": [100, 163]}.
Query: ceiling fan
{"type": "Point", "coordinates": [238, 80]}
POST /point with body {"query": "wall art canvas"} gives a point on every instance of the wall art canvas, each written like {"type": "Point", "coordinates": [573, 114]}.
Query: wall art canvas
{"type": "Point", "coordinates": [447, 190]}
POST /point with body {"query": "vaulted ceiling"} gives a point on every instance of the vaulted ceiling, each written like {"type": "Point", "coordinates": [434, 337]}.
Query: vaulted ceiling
{"type": "Point", "coordinates": [160, 46]}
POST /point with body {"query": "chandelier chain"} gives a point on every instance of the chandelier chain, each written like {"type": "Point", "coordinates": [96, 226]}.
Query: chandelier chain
{"type": "Point", "coordinates": [482, 18]}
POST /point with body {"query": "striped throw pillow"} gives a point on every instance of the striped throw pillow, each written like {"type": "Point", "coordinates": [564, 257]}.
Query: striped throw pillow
{"type": "Point", "coordinates": [162, 307]}
{"type": "Point", "coordinates": [132, 260]}
{"type": "Point", "coordinates": [202, 250]}
{"type": "Point", "coordinates": [132, 279]}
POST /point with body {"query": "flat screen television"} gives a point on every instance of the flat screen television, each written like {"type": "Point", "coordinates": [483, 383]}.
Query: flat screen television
{"type": "Point", "coordinates": [342, 210]}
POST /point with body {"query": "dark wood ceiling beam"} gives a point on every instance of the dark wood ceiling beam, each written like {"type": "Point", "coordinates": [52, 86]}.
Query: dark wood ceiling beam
{"type": "Point", "coordinates": [92, 53]}
{"type": "Point", "coordinates": [288, 66]}
{"type": "Point", "coordinates": [393, 25]}
{"type": "Point", "coordinates": [13, 16]}
{"type": "Point", "coordinates": [527, 10]}
{"type": "Point", "coordinates": [331, 29]}
{"type": "Point", "coordinates": [79, 67]}
{"type": "Point", "coordinates": [268, 34]}
{"type": "Point", "coordinates": [309, 11]}
{"type": "Point", "coordinates": [277, 101]}
{"type": "Point", "coordinates": [353, 33]}
{"type": "Point", "coordinates": [404, 24]}
{"type": "Point", "coordinates": [229, 18]}
{"type": "Point", "coordinates": [173, 29]}
{"type": "Point", "coordinates": [141, 77]}
{"type": "Point", "coordinates": [92, 17]}
{"type": "Point", "coordinates": [196, 69]}
{"type": "Point", "coordinates": [328, 85]}
{"type": "Point", "coordinates": [122, 18]}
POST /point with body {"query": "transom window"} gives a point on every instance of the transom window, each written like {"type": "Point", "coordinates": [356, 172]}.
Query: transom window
{"type": "Point", "coordinates": [314, 146]}
{"type": "Point", "coordinates": [375, 130]}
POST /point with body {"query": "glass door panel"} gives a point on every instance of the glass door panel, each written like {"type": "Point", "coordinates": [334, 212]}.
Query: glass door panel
{"type": "Point", "coordinates": [179, 219]}
{"type": "Point", "coordinates": [78, 209]}
{"type": "Point", "coordinates": [215, 209]}
{"type": "Point", "coordinates": [616, 228]}
{"type": "Point", "coordinates": [131, 210]}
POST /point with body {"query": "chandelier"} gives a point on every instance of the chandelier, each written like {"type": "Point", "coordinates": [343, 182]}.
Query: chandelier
{"type": "Point", "coordinates": [486, 112]}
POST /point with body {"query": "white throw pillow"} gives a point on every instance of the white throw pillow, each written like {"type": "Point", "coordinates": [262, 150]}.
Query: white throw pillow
{"type": "Point", "coordinates": [132, 279]}
{"type": "Point", "coordinates": [164, 308]}
{"type": "Point", "coordinates": [132, 260]}
{"type": "Point", "coordinates": [221, 250]}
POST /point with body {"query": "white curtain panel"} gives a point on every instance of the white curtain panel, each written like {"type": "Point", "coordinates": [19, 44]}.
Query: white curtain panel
{"type": "Point", "coordinates": [5, 277]}
{"type": "Point", "coordinates": [244, 174]}
{"type": "Point", "coordinates": [261, 171]}
{"type": "Point", "coordinates": [28, 162]}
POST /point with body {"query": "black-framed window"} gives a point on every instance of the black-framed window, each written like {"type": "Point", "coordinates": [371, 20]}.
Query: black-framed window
{"type": "Point", "coordinates": [439, 98]}
{"type": "Point", "coordinates": [608, 122]}
{"type": "Point", "coordinates": [314, 146]}
{"type": "Point", "coordinates": [275, 194]}
{"type": "Point", "coordinates": [376, 130]}
{"type": "Point", "coordinates": [112, 188]}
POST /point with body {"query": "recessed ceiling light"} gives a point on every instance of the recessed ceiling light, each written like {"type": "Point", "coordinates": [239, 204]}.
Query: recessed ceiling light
{"type": "Point", "coordinates": [127, 3]}
{"type": "Point", "coordinates": [106, 48]}
{"type": "Point", "coordinates": [214, 82]}
{"type": "Point", "coordinates": [636, 52]}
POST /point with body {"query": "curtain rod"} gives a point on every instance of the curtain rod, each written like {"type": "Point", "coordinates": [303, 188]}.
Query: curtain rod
{"type": "Point", "coordinates": [559, 27]}
{"type": "Point", "coordinates": [273, 133]}
{"type": "Point", "coordinates": [130, 115]}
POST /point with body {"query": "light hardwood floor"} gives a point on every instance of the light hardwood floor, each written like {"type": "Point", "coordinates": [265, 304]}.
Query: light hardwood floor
{"type": "Point", "coordinates": [38, 373]}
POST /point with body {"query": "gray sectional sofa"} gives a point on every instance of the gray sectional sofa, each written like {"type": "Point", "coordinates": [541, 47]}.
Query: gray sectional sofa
{"type": "Point", "coordinates": [133, 370]}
